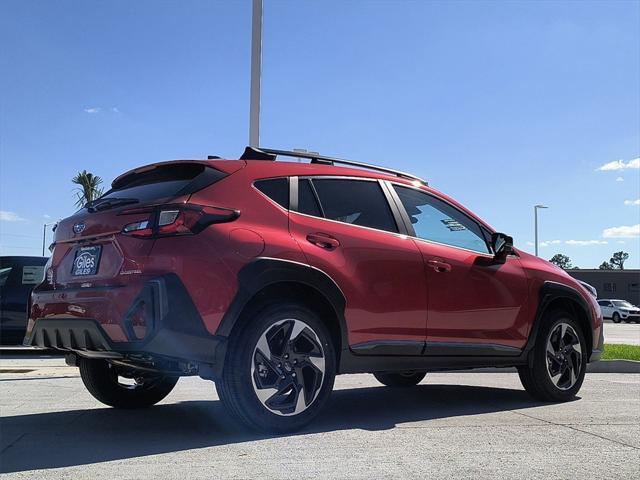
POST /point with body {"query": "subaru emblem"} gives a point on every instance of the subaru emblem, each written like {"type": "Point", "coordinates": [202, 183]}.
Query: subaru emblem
{"type": "Point", "coordinates": [78, 228]}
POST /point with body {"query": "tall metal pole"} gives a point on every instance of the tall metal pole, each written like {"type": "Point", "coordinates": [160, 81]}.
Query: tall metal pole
{"type": "Point", "coordinates": [535, 215]}
{"type": "Point", "coordinates": [256, 69]}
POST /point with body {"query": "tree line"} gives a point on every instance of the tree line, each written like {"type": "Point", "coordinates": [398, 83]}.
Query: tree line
{"type": "Point", "coordinates": [616, 262]}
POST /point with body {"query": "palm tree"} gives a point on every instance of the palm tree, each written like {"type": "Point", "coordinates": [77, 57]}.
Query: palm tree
{"type": "Point", "coordinates": [88, 189]}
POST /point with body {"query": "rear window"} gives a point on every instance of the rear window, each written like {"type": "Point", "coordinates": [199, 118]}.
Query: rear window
{"type": "Point", "coordinates": [163, 182]}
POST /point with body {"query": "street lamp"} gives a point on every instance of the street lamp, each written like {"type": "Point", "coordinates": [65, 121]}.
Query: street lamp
{"type": "Point", "coordinates": [535, 216]}
{"type": "Point", "coordinates": [256, 68]}
{"type": "Point", "coordinates": [44, 234]}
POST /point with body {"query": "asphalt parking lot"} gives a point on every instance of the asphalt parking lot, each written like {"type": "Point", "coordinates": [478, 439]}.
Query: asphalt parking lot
{"type": "Point", "coordinates": [628, 333]}
{"type": "Point", "coordinates": [453, 425]}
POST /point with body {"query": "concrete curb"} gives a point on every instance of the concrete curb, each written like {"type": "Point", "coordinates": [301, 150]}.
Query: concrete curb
{"type": "Point", "coordinates": [614, 366]}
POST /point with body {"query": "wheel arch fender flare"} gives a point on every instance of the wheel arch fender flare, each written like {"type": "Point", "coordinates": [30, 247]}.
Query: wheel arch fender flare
{"type": "Point", "coordinates": [553, 293]}
{"type": "Point", "coordinates": [263, 272]}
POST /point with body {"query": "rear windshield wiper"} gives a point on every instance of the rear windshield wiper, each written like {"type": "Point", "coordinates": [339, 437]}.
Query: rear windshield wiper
{"type": "Point", "coordinates": [108, 203]}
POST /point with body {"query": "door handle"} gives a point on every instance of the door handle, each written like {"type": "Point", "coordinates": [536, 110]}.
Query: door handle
{"type": "Point", "coordinates": [323, 240]}
{"type": "Point", "coordinates": [439, 266]}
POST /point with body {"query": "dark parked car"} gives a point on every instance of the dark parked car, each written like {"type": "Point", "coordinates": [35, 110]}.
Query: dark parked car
{"type": "Point", "coordinates": [271, 277]}
{"type": "Point", "coordinates": [18, 276]}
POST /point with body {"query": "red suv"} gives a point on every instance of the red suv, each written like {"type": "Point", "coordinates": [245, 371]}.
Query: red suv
{"type": "Point", "coordinates": [271, 277]}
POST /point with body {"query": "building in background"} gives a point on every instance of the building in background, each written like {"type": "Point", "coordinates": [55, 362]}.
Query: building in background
{"type": "Point", "coordinates": [621, 284]}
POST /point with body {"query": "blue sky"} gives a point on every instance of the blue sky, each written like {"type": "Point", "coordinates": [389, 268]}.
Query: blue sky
{"type": "Point", "coordinates": [501, 104]}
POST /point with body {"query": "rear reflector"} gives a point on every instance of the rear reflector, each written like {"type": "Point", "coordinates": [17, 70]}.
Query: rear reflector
{"type": "Point", "coordinates": [182, 219]}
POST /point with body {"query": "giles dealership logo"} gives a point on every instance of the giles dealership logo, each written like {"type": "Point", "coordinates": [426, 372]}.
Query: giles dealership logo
{"type": "Point", "coordinates": [79, 228]}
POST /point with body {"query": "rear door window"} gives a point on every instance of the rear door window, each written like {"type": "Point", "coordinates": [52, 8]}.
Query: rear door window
{"type": "Point", "coordinates": [358, 202]}
{"type": "Point", "coordinates": [307, 202]}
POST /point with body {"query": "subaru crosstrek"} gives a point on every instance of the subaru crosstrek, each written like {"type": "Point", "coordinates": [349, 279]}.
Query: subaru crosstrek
{"type": "Point", "coordinates": [271, 277]}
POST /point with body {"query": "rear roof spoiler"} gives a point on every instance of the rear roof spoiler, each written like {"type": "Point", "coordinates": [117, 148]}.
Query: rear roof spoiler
{"type": "Point", "coordinates": [270, 154]}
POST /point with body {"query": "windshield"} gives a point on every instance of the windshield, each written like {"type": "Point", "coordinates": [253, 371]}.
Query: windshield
{"type": "Point", "coordinates": [622, 303]}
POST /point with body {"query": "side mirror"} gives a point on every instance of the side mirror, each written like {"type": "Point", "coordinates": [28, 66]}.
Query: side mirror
{"type": "Point", "coordinates": [502, 245]}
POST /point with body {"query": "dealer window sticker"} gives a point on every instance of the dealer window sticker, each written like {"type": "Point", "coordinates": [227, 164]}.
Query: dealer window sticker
{"type": "Point", "coordinates": [453, 225]}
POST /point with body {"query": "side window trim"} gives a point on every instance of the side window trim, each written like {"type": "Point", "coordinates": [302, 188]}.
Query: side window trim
{"type": "Point", "coordinates": [397, 210]}
{"type": "Point", "coordinates": [293, 194]}
{"type": "Point", "coordinates": [405, 217]}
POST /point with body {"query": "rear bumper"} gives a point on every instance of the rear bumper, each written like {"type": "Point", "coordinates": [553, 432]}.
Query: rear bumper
{"type": "Point", "coordinates": [173, 328]}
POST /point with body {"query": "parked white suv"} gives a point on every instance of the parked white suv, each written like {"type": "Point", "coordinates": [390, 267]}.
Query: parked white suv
{"type": "Point", "coordinates": [619, 311]}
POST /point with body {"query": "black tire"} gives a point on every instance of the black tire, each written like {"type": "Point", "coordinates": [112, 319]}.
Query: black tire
{"type": "Point", "coordinates": [616, 317]}
{"type": "Point", "coordinates": [246, 370]}
{"type": "Point", "coordinates": [101, 379]}
{"type": "Point", "coordinates": [400, 379]}
{"type": "Point", "coordinates": [537, 378]}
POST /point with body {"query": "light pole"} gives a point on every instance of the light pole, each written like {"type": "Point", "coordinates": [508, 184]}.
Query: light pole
{"type": "Point", "coordinates": [44, 234]}
{"type": "Point", "coordinates": [535, 216]}
{"type": "Point", "coordinates": [256, 68]}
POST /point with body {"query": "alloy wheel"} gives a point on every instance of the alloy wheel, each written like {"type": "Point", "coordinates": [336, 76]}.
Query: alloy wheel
{"type": "Point", "coordinates": [288, 367]}
{"type": "Point", "coordinates": [564, 356]}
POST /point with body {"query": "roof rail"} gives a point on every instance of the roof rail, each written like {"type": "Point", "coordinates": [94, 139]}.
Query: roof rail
{"type": "Point", "coordinates": [271, 154]}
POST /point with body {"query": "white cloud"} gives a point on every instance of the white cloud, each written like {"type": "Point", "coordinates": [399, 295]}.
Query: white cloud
{"type": "Point", "coordinates": [620, 165]}
{"type": "Point", "coordinates": [92, 109]}
{"type": "Point", "coordinates": [6, 216]}
{"type": "Point", "coordinates": [530, 244]}
{"type": "Point", "coordinates": [115, 110]}
{"type": "Point", "coordinates": [622, 242]}
{"type": "Point", "coordinates": [549, 242]}
{"type": "Point", "coordinates": [584, 243]}
{"type": "Point", "coordinates": [624, 231]}
{"type": "Point", "coordinates": [632, 202]}
{"type": "Point", "coordinates": [619, 179]}
{"type": "Point", "coordinates": [46, 216]}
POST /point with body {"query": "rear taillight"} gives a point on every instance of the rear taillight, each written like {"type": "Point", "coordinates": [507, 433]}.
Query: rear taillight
{"type": "Point", "coordinates": [181, 219]}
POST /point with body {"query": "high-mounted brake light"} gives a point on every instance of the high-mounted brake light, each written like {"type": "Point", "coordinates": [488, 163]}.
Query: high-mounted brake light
{"type": "Point", "coordinates": [181, 219]}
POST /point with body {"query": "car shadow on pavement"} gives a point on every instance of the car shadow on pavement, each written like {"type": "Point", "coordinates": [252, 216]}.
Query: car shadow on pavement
{"type": "Point", "coordinates": [80, 437]}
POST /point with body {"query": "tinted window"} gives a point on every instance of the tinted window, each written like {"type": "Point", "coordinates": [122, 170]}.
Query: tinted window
{"type": "Point", "coordinates": [277, 189]}
{"type": "Point", "coordinates": [307, 202]}
{"type": "Point", "coordinates": [355, 201]}
{"type": "Point", "coordinates": [603, 303]}
{"type": "Point", "coordinates": [439, 222]}
{"type": "Point", "coordinates": [164, 182]}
